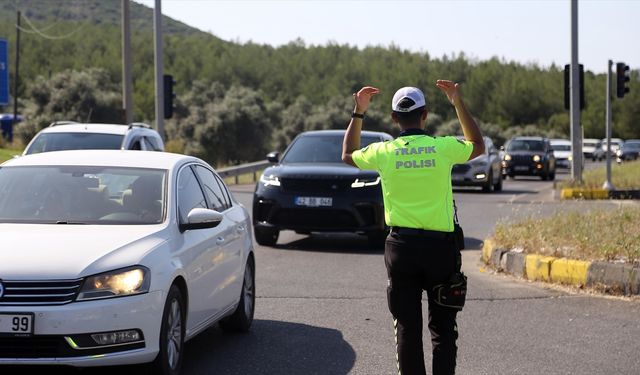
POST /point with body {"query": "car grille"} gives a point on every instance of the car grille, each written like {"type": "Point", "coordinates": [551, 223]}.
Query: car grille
{"type": "Point", "coordinates": [49, 292]}
{"type": "Point", "coordinates": [522, 159]}
{"type": "Point", "coordinates": [460, 168]}
{"type": "Point", "coordinates": [314, 218]}
{"type": "Point", "coordinates": [310, 185]}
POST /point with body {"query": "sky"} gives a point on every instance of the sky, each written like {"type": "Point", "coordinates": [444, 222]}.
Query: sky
{"type": "Point", "coordinates": [525, 31]}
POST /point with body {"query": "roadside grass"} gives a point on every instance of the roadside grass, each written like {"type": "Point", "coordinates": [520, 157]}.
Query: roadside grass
{"type": "Point", "coordinates": [8, 153]}
{"type": "Point", "coordinates": [624, 177]}
{"type": "Point", "coordinates": [606, 235]}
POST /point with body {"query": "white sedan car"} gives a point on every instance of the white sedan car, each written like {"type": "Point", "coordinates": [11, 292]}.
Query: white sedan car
{"type": "Point", "coordinates": [118, 257]}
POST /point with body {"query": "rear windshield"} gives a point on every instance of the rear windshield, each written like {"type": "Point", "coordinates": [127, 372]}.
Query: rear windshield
{"type": "Point", "coordinates": [45, 142]}
{"type": "Point", "coordinates": [525, 145]}
{"type": "Point", "coordinates": [320, 149]}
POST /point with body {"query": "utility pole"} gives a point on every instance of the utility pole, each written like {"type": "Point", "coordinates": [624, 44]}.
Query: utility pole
{"type": "Point", "coordinates": [608, 185]}
{"type": "Point", "coordinates": [127, 91]}
{"type": "Point", "coordinates": [157, 27]}
{"type": "Point", "coordinates": [17, 75]}
{"type": "Point", "coordinates": [576, 133]}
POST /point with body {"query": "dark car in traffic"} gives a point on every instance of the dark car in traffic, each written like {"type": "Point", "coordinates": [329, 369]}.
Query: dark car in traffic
{"type": "Point", "coordinates": [630, 150]}
{"type": "Point", "coordinates": [483, 171]}
{"type": "Point", "coordinates": [310, 189]}
{"type": "Point", "coordinates": [529, 156]}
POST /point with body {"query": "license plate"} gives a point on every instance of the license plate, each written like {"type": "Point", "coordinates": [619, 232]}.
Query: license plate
{"type": "Point", "coordinates": [521, 168]}
{"type": "Point", "coordinates": [314, 201]}
{"type": "Point", "coordinates": [16, 323]}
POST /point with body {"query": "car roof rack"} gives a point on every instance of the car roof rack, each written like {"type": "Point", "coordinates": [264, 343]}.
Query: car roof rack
{"type": "Point", "coordinates": [65, 122]}
{"type": "Point", "coordinates": [139, 125]}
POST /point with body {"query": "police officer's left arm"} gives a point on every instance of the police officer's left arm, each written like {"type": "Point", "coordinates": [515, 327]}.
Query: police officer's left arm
{"type": "Point", "coordinates": [351, 140]}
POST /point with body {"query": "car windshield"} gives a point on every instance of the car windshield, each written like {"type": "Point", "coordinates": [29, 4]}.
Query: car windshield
{"type": "Point", "coordinates": [590, 144]}
{"type": "Point", "coordinates": [75, 141]}
{"type": "Point", "coordinates": [561, 147]}
{"type": "Point", "coordinates": [525, 145]}
{"type": "Point", "coordinates": [631, 146]}
{"type": "Point", "coordinates": [82, 195]}
{"type": "Point", "coordinates": [320, 149]}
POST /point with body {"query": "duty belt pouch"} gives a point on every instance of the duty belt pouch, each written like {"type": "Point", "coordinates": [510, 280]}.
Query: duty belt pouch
{"type": "Point", "coordinates": [458, 236]}
{"type": "Point", "coordinates": [453, 293]}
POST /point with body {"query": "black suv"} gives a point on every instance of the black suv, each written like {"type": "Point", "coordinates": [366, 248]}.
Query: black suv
{"type": "Point", "coordinates": [311, 190]}
{"type": "Point", "coordinates": [529, 156]}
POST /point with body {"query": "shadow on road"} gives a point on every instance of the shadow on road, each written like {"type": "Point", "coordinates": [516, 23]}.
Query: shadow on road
{"type": "Point", "coordinates": [334, 243]}
{"type": "Point", "coordinates": [471, 243]}
{"type": "Point", "coordinates": [504, 191]}
{"type": "Point", "coordinates": [271, 347]}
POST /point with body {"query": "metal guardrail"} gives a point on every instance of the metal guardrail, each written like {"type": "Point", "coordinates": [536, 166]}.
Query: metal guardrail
{"type": "Point", "coordinates": [241, 169]}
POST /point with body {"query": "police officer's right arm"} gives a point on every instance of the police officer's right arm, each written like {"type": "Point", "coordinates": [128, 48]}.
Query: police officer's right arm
{"type": "Point", "coordinates": [470, 129]}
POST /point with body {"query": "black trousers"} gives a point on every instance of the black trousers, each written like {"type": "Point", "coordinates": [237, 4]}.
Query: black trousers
{"type": "Point", "coordinates": [414, 264]}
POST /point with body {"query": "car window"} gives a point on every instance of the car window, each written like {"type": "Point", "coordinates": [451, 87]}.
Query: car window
{"type": "Point", "coordinates": [320, 149]}
{"type": "Point", "coordinates": [216, 196]}
{"type": "Point", "coordinates": [45, 142]}
{"type": "Point", "coordinates": [631, 145]}
{"type": "Point", "coordinates": [526, 145]}
{"type": "Point", "coordinates": [136, 144]}
{"type": "Point", "coordinates": [561, 147]}
{"type": "Point", "coordinates": [82, 195]}
{"type": "Point", "coordinates": [190, 194]}
{"type": "Point", "coordinates": [153, 143]}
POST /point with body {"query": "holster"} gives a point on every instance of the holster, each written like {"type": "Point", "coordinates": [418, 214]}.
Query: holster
{"type": "Point", "coordinates": [453, 293]}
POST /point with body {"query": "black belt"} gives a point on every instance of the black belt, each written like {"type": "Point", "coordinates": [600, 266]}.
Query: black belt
{"type": "Point", "coordinates": [421, 233]}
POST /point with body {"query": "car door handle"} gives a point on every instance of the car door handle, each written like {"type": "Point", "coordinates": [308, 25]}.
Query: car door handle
{"type": "Point", "coordinates": [220, 241]}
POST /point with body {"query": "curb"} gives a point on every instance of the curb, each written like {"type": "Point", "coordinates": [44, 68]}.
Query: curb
{"type": "Point", "coordinates": [578, 193]}
{"type": "Point", "coordinates": [608, 278]}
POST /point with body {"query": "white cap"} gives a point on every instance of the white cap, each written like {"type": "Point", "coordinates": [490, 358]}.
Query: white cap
{"type": "Point", "coordinates": [412, 93]}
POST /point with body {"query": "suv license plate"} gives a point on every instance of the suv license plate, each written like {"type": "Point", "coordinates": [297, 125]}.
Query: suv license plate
{"type": "Point", "coordinates": [16, 323]}
{"type": "Point", "coordinates": [521, 168]}
{"type": "Point", "coordinates": [314, 201]}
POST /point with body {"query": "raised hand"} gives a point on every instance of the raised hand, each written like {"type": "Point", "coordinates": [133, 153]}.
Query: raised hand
{"type": "Point", "coordinates": [363, 98]}
{"type": "Point", "coordinates": [451, 89]}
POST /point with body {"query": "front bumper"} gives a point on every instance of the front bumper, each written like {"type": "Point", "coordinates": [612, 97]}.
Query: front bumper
{"type": "Point", "coordinates": [466, 175]}
{"type": "Point", "coordinates": [526, 169]}
{"type": "Point", "coordinates": [355, 210]}
{"type": "Point", "coordinates": [61, 333]}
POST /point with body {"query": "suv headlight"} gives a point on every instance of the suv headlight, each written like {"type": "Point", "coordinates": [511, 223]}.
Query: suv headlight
{"type": "Point", "coordinates": [507, 157]}
{"type": "Point", "coordinates": [362, 182]}
{"type": "Point", "coordinates": [117, 283]}
{"type": "Point", "coordinates": [536, 158]}
{"type": "Point", "coordinates": [270, 180]}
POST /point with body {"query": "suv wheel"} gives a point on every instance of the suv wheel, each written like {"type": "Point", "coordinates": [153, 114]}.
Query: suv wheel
{"type": "Point", "coordinates": [266, 236]}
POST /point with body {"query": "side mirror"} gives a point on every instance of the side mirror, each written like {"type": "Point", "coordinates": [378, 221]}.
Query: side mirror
{"type": "Point", "coordinates": [501, 148]}
{"type": "Point", "coordinates": [201, 218]}
{"type": "Point", "coordinates": [273, 156]}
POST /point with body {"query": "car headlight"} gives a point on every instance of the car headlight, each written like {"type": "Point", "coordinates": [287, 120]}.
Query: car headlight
{"type": "Point", "coordinates": [270, 180]}
{"type": "Point", "coordinates": [570, 158]}
{"type": "Point", "coordinates": [362, 182]}
{"type": "Point", "coordinates": [536, 158]}
{"type": "Point", "coordinates": [619, 152]}
{"type": "Point", "coordinates": [122, 282]}
{"type": "Point", "coordinates": [507, 157]}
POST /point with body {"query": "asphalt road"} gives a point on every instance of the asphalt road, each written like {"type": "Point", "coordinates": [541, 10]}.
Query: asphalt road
{"type": "Point", "coordinates": [321, 307]}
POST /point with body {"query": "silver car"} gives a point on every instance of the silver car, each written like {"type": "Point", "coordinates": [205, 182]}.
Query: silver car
{"type": "Point", "coordinates": [483, 171]}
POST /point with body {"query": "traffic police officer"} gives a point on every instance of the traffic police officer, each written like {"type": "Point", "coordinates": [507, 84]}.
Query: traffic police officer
{"type": "Point", "coordinates": [420, 254]}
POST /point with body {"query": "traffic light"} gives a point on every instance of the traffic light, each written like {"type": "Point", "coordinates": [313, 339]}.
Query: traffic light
{"type": "Point", "coordinates": [567, 84]}
{"type": "Point", "coordinates": [622, 75]}
{"type": "Point", "coordinates": [169, 95]}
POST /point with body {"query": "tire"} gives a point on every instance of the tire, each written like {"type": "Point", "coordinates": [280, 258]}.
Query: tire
{"type": "Point", "coordinates": [486, 188]}
{"type": "Point", "coordinates": [552, 175]}
{"type": "Point", "coordinates": [498, 185]}
{"type": "Point", "coordinates": [242, 317]}
{"type": "Point", "coordinates": [169, 359]}
{"type": "Point", "coordinates": [266, 236]}
{"type": "Point", "coordinates": [512, 176]}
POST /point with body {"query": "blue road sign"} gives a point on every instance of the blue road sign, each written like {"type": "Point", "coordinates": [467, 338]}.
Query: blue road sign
{"type": "Point", "coordinates": [4, 72]}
